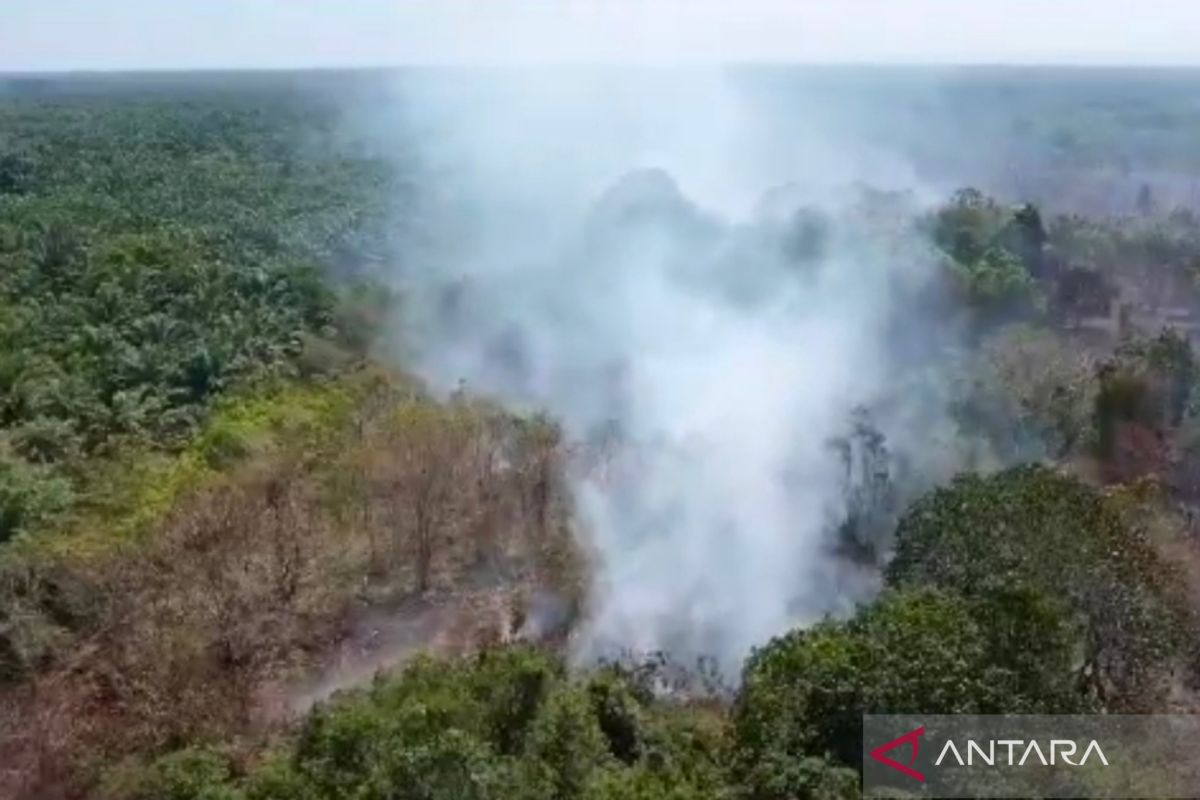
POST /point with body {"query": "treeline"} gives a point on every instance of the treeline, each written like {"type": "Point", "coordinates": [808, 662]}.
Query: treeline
{"type": "Point", "coordinates": [1008, 262]}
{"type": "Point", "coordinates": [1079, 337]}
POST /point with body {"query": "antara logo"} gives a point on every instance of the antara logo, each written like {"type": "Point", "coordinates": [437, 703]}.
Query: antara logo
{"type": "Point", "coordinates": [1060, 750]}
{"type": "Point", "coordinates": [991, 752]}
{"type": "Point", "coordinates": [910, 738]}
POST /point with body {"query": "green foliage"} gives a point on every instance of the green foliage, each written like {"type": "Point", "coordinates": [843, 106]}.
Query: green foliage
{"type": "Point", "coordinates": [450, 765]}
{"type": "Point", "coordinates": [992, 255]}
{"type": "Point", "coordinates": [967, 227]}
{"type": "Point", "coordinates": [140, 334]}
{"type": "Point", "coordinates": [917, 651]}
{"type": "Point", "coordinates": [189, 774]}
{"type": "Point", "coordinates": [451, 730]}
{"type": "Point", "coordinates": [779, 776]}
{"type": "Point", "coordinates": [1069, 610]}
{"type": "Point", "coordinates": [1024, 235]}
{"type": "Point", "coordinates": [276, 778]}
{"type": "Point", "coordinates": [505, 724]}
{"type": "Point", "coordinates": [996, 282]}
{"type": "Point", "coordinates": [1033, 529]}
{"type": "Point", "coordinates": [407, 730]}
{"type": "Point", "coordinates": [30, 494]}
{"type": "Point", "coordinates": [16, 174]}
{"type": "Point", "coordinates": [568, 742]}
{"type": "Point", "coordinates": [686, 745]}
{"type": "Point", "coordinates": [642, 783]}
{"type": "Point", "coordinates": [513, 685]}
{"type": "Point", "coordinates": [163, 258]}
{"type": "Point", "coordinates": [124, 496]}
{"type": "Point", "coordinates": [155, 254]}
{"type": "Point", "coordinates": [295, 414]}
{"type": "Point", "coordinates": [618, 714]}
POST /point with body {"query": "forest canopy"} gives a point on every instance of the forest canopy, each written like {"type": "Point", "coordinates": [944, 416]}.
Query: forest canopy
{"type": "Point", "coordinates": [246, 554]}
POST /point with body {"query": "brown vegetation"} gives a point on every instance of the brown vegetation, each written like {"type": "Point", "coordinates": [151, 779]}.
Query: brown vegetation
{"type": "Point", "coordinates": [255, 578]}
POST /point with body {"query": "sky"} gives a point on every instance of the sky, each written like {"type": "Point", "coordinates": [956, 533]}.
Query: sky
{"type": "Point", "coordinates": [37, 35]}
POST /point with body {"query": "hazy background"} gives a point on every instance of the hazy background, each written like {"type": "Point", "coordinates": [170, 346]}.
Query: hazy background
{"type": "Point", "coordinates": [184, 34]}
{"type": "Point", "coordinates": [676, 259]}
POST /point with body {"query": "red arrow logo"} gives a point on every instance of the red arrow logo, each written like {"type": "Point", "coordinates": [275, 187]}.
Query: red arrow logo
{"type": "Point", "coordinates": [913, 738]}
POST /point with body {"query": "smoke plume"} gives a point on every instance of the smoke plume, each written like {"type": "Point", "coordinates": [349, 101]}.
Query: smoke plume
{"type": "Point", "coordinates": [679, 266]}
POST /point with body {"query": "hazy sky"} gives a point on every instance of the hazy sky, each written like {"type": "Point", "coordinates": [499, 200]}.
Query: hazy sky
{"type": "Point", "coordinates": [135, 34]}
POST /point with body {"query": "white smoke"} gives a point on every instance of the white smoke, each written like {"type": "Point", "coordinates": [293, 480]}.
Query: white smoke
{"type": "Point", "coordinates": [613, 247]}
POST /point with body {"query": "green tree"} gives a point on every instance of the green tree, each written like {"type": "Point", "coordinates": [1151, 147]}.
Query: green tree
{"type": "Point", "coordinates": [912, 651]}
{"type": "Point", "coordinates": [967, 226]}
{"type": "Point", "coordinates": [1033, 528]}
{"type": "Point", "coordinates": [189, 774]}
{"type": "Point", "coordinates": [778, 776]}
{"type": "Point", "coordinates": [1024, 235]}
{"type": "Point", "coordinates": [995, 285]}
{"type": "Point", "coordinates": [29, 495]}
{"type": "Point", "coordinates": [569, 743]}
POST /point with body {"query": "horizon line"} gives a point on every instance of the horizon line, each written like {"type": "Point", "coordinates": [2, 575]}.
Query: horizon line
{"type": "Point", "coordinates": [1081, 66]}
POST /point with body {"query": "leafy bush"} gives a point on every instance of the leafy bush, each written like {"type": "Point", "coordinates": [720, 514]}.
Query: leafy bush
{"type": "Point", "coordinates": [778, 776]}
{"type": "Point", "coordinates": [913, 651]}
{"type": "Point", "coordinates": [505, 724]}
{"type": "Point", "coordinates": [996, 285]}
{"type": "Point", "coordinates": [189, 774]}
{"type": "Point", "coordinates": [29, 496]}
{"type": "Point", "coordinates": [1033, 528]}
{"type": "Point", "coordinates": [568, 743]}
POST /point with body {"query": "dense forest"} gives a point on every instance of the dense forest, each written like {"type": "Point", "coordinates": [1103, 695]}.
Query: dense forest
{"type": "Point", "coordinates": [245, 553]}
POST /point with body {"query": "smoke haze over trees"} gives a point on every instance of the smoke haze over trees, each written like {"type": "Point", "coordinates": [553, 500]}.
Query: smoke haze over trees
{"type": "Point", "coordinates": [661, 409]}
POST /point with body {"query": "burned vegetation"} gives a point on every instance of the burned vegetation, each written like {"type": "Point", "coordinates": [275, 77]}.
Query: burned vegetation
{"type": "Point", "coordinates": [260, 542]}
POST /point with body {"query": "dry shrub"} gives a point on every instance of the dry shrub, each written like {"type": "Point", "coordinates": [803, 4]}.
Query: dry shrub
{"type": "Point", "coordinates": [440, 496]}
{"type": "Point", "coordinates": [260, 574]}
{"type": "Point", "coordinates": [245, 576]}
